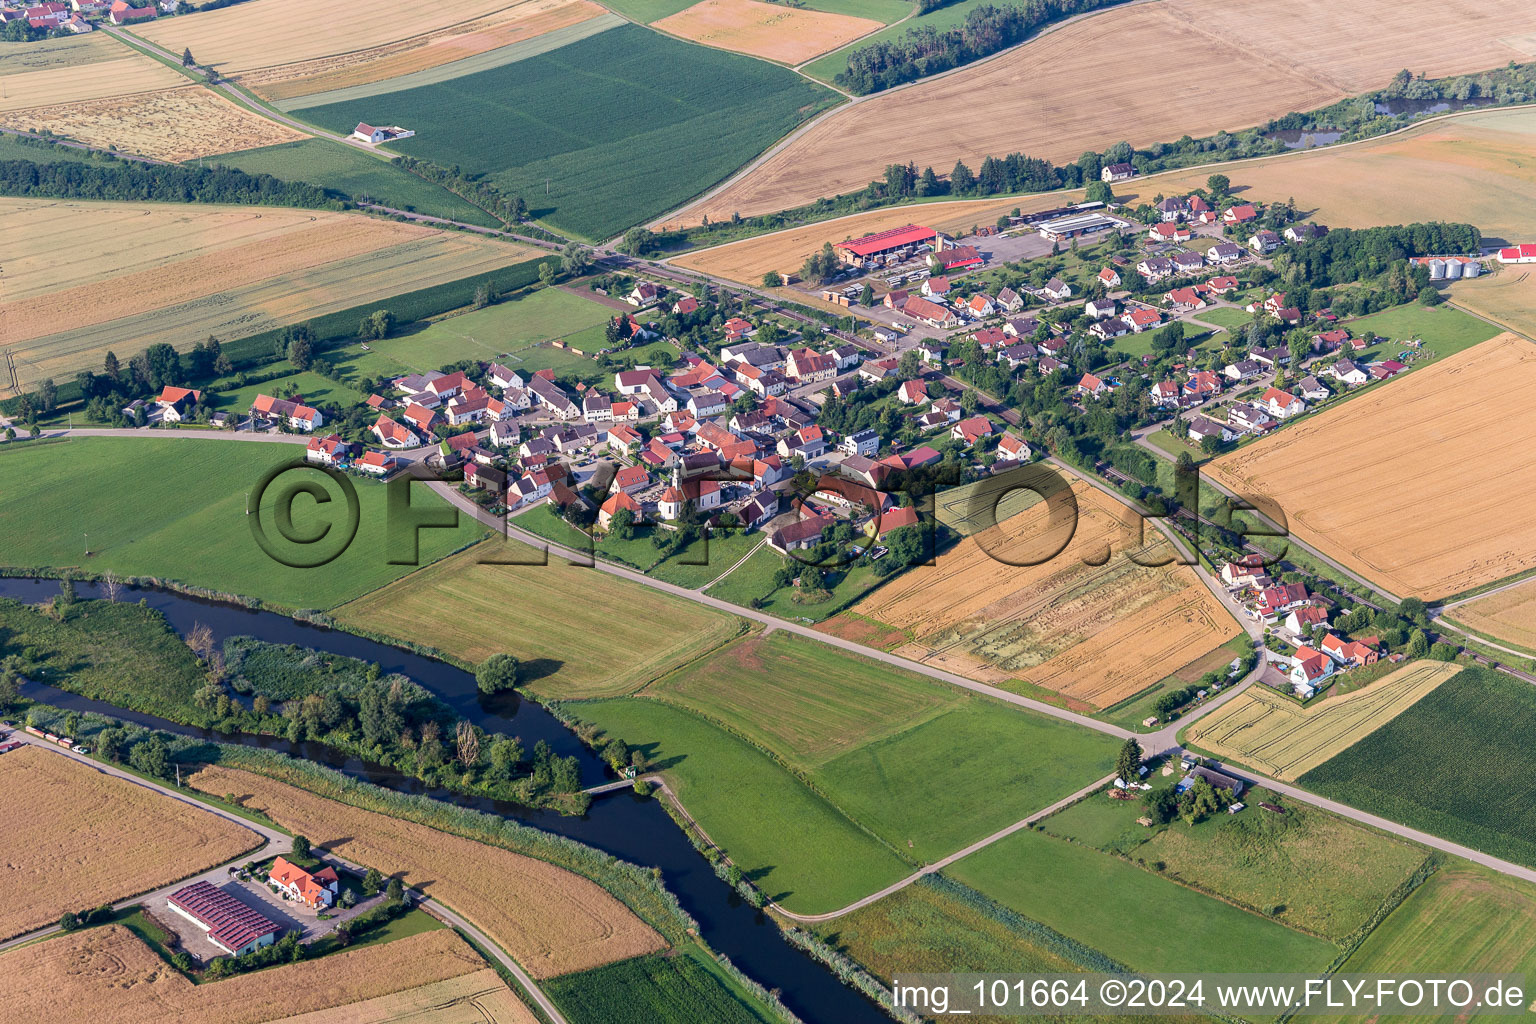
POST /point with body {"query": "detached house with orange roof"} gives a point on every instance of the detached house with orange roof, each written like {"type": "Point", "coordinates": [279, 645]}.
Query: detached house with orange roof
{"type": "Point", "coordinates": [618, 502]}
{"type": "Point", "coordinates": [297, 415]}
{"type": "Point", "coordinates": [313, 889]}
{"type": "Point", "coordinates": [177, 403]}
{"type": "Point", "coordinates": [1308, 669]}
{"type": "Point", "coordinates": [971, 430]}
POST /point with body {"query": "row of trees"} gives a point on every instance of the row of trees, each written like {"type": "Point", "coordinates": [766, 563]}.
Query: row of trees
{"type": "Point", "coordinates": [925, 50]}
{"type": "Point", "coordinates": [164, 183]}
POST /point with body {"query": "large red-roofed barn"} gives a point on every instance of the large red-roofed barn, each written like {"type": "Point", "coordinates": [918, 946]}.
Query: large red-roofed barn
{"type": "Point", "coordinates": [230, 924]}
{"type": "Point", "coordinates": [882, 243]}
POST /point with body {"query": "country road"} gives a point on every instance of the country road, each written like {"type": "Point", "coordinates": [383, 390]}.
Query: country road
{"type": "Point", "coordinates": [1163, 741]}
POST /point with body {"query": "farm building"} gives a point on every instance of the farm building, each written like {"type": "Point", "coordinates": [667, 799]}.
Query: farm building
{"type": "Point", "coordinates": [956, 257]}
{"type": "Point", "coordinates": [376, 135]}
{"type": "Point", "coordinates": [1117, 172]}
{"type": "Point", "coordinates": [1217, 780]}
{"type": "Point", "coordinates": [231, 925]}
{"type": "Point", "coordinates": [313, 889]}
{"type": "Point", "coordinates": [1522, 253]}
{"type": "Point", "coordinates": [1063, 228]}
{"type": "Point", "coordinates": [884, 243]}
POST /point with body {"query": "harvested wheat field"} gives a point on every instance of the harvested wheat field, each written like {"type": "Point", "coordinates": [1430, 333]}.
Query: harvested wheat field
{"type": "Point", "coordinates": [1094, 633]}
{"type": "Point", "coordinates": [262, 33]}
{"type": "Point", "coordinates": [515, 24]}
{"type": "Point", "coordinates": [1509, 615]}
{"type": "Point", "coordinates": [1277, 736]}
{"type": "Point", "coordinates": [109, 974]}
{"type": "Point", "coordinates": [171, 124]}
{"type": "Point", "coordinates": [91, 277]}
{"type": "Point", "coordinates": [785, 251]}
{"type": "Point", "coordinates": [789, 35]}
{"type": "Point", "coordinates": [1435, 500]}
{"type": "Point", "coordinates": [91, 67]}
{"type": "Point", "coordinates": [1037, 98]}
{"type": "Point", "coordinates": [76, 838]}
{"type": "Point", "coordinates": [1508, 298]}
{"type": "Point", "coordinates": [548, 919]}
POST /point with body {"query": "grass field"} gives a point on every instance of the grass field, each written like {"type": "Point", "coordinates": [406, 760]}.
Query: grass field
{"type": "Point", "coordinates": [1052, 600]}
{"type": "Point", "coordinates": [109, 973]}
{"type": "Point", "coordinates": [1464, 919]}
{"type": "Point", "coordinates": [1439, 431]}
{"type": "Point", "coordinates": [1315, 871]}
{"type": "Point", "coordinates": [496, 331]}
{"type": "Point", "coordinates": [334, 166]}
{"type": "Point", "coordinates": [659, 989]}
{"type": "Point", "coordinates": [754, 580]}
{"type": "Point", "coordinates": [550, 920]}
{"type": "Point", "coordinates": [772, 31]}
{"type": "Point", "coordinates": [1451, 765]}
{"type": "Point", "coordinates": [547, 616]}
{"type": "Point", "coordinates": [78, 838]}
{"type": "Point", "coordinates": [498, 38]}
{"type": "Point", "coordinates": [96, 277]}
{"type": "Point", "coordinates": [113, 651]}
{"type": "Point", "coordinates": [175, 511]}
{"type": "Point", "coordinates": [791, 842]}
{"type": "Point", "coordinates": [679, 118]}
{"type": "Point", "coordinates": [174, 124]}
{"type": "Point", "coordinates": [1284, 740]}
{"type": "Point", "coordinates": [1444, 330]}
{"type": "Point", "coordinates": [316, 390]}
{"type": "Point", "coordinates": [1146, 922]}
{"type": "Point", "coordinates": [1225, 316]}
{"type": "Point", "coordinates": [976, 506]}
{"type": "Point", "coordinates": [925, 767]}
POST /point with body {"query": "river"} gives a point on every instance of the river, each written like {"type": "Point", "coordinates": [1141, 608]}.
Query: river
{"type": "Point", "coordinates": [633, 828]}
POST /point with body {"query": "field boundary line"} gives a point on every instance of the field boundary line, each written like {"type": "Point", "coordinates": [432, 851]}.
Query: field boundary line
{"type": "Point", "coordinates": [945, 862]}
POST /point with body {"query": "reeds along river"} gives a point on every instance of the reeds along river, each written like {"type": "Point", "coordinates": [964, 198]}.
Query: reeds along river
{"type": "Point", "coordinates": [633, 828]}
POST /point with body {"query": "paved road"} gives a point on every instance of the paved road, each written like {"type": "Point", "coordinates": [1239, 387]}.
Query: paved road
{"type": "Point", "coordinates": [422, 218]}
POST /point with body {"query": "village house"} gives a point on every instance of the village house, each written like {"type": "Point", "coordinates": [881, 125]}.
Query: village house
{"type": "Point", "coordinates": [1223, 253]}
{"type": "Point", "coordinates": [1221, 285]}
{"type": "Point", "coordinates": [1312, 389]}
{"type": "Point", "coordinates": [1281, 404]}
{"type": "Point", "coordinates": [375, 463]}
{"type": "Point", "coordinates": [935, 288]}
{"type": "Point", "coordinates": [1202, 384]}
{"type": "Point", "coordinates": [1100, 308]}
{"type": "Point", "coordinates": [1243, 369]}
{"type": "Point", "coordinates": [484, 478]}
{"type": "Point", "coordinates": [1305, 232]}
{"type": "Point", "coordinates": [1165, 393]}
{"type": "Point", "coordinates": [1057, 290]}
{"type": "Point", "coordinates": [955, 257]}
{"type": "Point", "coordinates": [1013, 449]}
{"type": "Point", "coordinates": [759, 509]}
{"type": "Point", "coordinates": [548, 394]}
{"type": "Point", "coordinates": [1347, 372]}
{"type": "Point", "coordinates": [1277, 600]}
{"type": "Point", "coordinates": [1016, 355]}
{"type": "Point", "coordinates": [1351, 652]}
{"type": "Point", "coordinates": [1264, 242]}
{"type": "Point", "coordinates": [1109, 277]}
{"type": "Point", "coordinates": [503, 378]}
{"type": "Point", "coordinates": [618, 502]}
{"type": "Point", "coordinates": [1155, 268]}
{"type": "Point", "coordinates": [969, 431]}
{"type": "Point", "coordinates": [1240, 214]}
{"type": "Point", "coordinates": [1091, 385]}
{"type": "Point", "coordinates": [1303, 619]}
{"type": "Point", "coordinates": [1009, 301]}
{"type": "Point", "coordinates": [1309, 668]}
{"type": "Point", "coordinates": [644, 294]}
{"type": "Point", "coordinates": [176, 404]}
{"type": "Point", "coordinates": [860, 442]}
{"type": "Point", "coordinates": [1249, 419]}
{"type": "Point", "coordinates": [420, 419]}
{"type": "Point", "coordinates": [801, 534]}
{"type": "Point", "coordinates": [1172, 209]}
{"type": "Point", "coordinates": [930, 313]}
{"type": "Point", "coordinates": [1202, 427]}
{"type": "Point", "coordinates": [1143, 319]}
{"type": "Point", "coordinates": [1184, 298]}
{"type": "Point", "coordinates": [327, 451]}
{"type": "Point", "coordinates": [1245, 572]}
{"type": "Point", "coordinates": [1188, 262]}
{"type": "Point", "coordinates": [1117, 172]}
{"type": "Point", "coordinates": [1169, 233]}
{"type": "Point", "coordinates": [393, 435]}
{"type": "Point", "coordinates": [1114, 327]}
{"type": "Point", "coordinates": [807, 366]}
{"type": "Point", "coordinates": [295, 414]}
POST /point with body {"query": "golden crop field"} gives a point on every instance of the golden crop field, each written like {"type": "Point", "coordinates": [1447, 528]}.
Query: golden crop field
{"type": "Point", "coordinates": [1430, 495]}
{"type": "Point", "coordinates": [549, 920]}
{"type": "Point", "coordinates": [264, 33]}
{"type": "Point", "coordinates": [1508, 614]}
{"type": "Point", "coordinates": [91, 277]}
{"type": "Point", "coordinates": [169, 124]}
{"type": "Point", "coordinates": [1277, 736]}
{"type": "Point", "coordinates": [1508, 298]}
{"type": "Point", "coordinates": [1095, 633]}
{"type": "Point", "coordinates": [784, 251]}
{"type": "Point", "coordinates": [478, 998]}
{"type": "Point", "coordinates": [95, 66]}
{"type": "Point", "coordinates": [789, 35]}
{"type": "Point", "coordinates": [521, 21]}
{"type": "Point", "coordinates": [109, 974]}
{"type": "Point", "coordinates": [546, 615]}
{"type": "Point", "coordinates": [76, 838]}
{"type": "Point", "coordinates": [1037, 99]}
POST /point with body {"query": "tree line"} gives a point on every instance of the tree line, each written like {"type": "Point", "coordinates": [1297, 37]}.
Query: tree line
{"type": "Point", "coordinates": [925, 50]}
{"type": "Point", "coordinates": [165, 183]}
